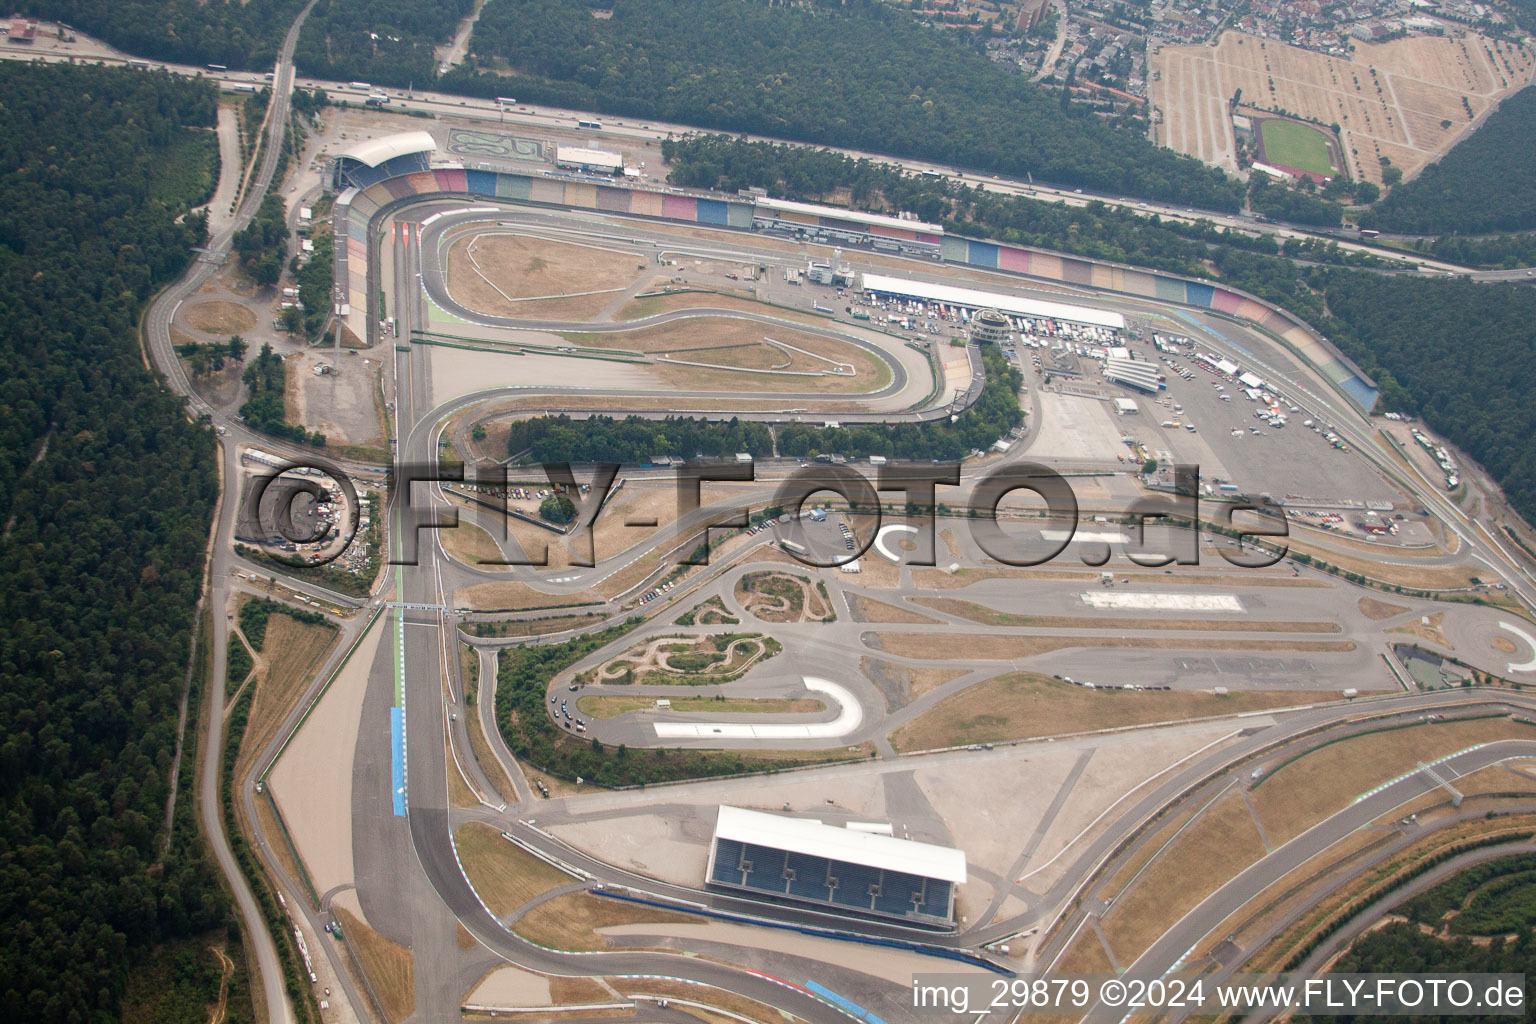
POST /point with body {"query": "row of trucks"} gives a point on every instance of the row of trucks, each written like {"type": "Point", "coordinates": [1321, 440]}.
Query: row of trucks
{"type": "Point", "coordinates": [1442, 459]}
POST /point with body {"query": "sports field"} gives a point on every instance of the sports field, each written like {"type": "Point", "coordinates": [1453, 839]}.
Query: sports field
{"type": "Point", "coordinates": [1409, 99]}
{"type": "Point", "coordinates": [1295, 145]}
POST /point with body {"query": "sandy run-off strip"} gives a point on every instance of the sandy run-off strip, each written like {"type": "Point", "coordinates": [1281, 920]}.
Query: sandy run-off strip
{"type": "Point", "coordinates": [319, 817]}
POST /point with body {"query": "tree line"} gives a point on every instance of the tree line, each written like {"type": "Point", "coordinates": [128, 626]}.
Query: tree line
{"type": "Point", "coordinates": [106, 496]}
{"type": "Point", "coordinates": [635, 439]}
{"type": "Point", "coordinates": [1095, 229]}
{"type": "Point", "coordinates": [383, 42]}
{"type": "Point", "coordinates": [1486, 184]}
{"type": "Point", "coordinates": [861, 74]}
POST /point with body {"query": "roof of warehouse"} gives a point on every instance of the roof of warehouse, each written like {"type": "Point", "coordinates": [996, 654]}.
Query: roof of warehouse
{"type": "Point", "coordinates": [996, 300]}
{"type": "Point", "coordinates": [377, 151]}
{"type": "Point", "coordinates": [853, 215]}
{"type": "Point", "coordinates": [589, 157]}
{"type": "Point", "coordinates": [814, 839]}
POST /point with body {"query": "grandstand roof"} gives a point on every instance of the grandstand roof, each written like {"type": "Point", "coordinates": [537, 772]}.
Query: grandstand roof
{"type": "Point", "coordinates": [814, 839]}
{"type": "Point", "coordinates": [584, 157]}
{"type": "Point", "coordinates": [855, 216]}
{"type": "Point", "coordinates": [377, 151]}
{"type": "Point", "coordinates": [973, 298]}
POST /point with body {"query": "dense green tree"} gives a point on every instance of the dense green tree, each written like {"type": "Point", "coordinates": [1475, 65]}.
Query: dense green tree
{"type": "Point", "coordinates": [384, 42]}
{"type": "Point", "coordinates": [106, 494]}
{"type": "Point", "coordinates": [1487, 183]}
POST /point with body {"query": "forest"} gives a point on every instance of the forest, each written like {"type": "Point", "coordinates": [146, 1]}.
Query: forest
{"type": "Point", "coordinates": [263, 242]}
{"type": "Point", "coordinates": [863, 74]}
{"type": "Point", "coordinates": [384, 42]}
{"type": "Point", "coordinates": [229, 32]}
{"type": "Point", "coordinates": [264, 408]}
{"type": "Point", "coordinates": [1464, 353]}
{"type": "Point", "coordinates": [1494, 898]}
{"type": "Point", "coordinates": [1486, 183]}
{"type": "Point", "coordinates": [106, 493]}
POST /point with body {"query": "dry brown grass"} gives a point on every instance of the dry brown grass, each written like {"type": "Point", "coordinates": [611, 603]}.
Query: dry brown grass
{"type": "Point", "coordinates": [390, 967]}
{"type": "Point", "coordinates": [290, 654]}
{"type": "Point", "coordinates": [571, 921]}
{"type": "Point", "coordinates": [992, 617]}
{"type": "Point", "coordinates": [1300, 794]}
{"type": "Point", "coordinates": [525, 268]}
{"type": "Point", "coordinates": [918, 680]}
{"type": "Point", "coordinates": [505, 875]}
{"type": "Point", "coordinates": [460, 794]}
{"type": "Point", "coordinates": [1144, 853]}
{"type": "Point", "coordinates": [471, 545]}
{"type": "Point", "coordinates": [511, 596]}
{"type": "Point", "coordinates": [1086, 956]}
{"type": "Point", "coordinates": [867, 609]}
{"type": "Point", "coordinates": [489, 763]}
{"type": "Point", "coordinates": [1025, 705]}
{"type": "Point", "coordinates": [1426, 630]}
{"type": "Point", "coordinates": [219, 316]}
{"type": "Point", "coordinates": [1378, 610]}
{"type": "Point", "coordinates": [939, 579]}
{"type": "Point", "coordinates": [726, 344]}
{"type": "Point", "coordinates": [1391, 99]}
{"type": "Point", "coordinates": [1416, 577]}
{"type": "Point", "coordinates": [638, 309]}
{"type": "Point", "coordinates": [1002, 647]}
{"type": "Point", "coordinates": [612, 707]}
{"type": "Point", "coordinates": [1221, 842]}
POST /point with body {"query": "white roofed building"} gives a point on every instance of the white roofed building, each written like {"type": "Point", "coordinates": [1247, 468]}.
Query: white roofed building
{"type": "Point", "coordinates": [376, 159]}
{"type": "Point", "coordinates": [583, 159]}
{"type": "Point", "coordinates": [847, 871]}
{"type": "Point", "coordinates": [1134, 373]}
{"type": "Point", "coordinates": [971, 298]}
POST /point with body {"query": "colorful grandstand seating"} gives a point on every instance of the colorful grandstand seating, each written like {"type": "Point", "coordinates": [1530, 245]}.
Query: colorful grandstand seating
{"type": "Point", "coordinates": [836, 884]}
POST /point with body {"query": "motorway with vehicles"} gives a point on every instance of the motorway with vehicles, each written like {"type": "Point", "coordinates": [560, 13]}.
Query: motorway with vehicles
{"type": "Point", "coordinates": [409, 878]}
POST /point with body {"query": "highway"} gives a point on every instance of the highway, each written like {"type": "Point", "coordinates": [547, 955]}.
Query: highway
{"type": "Point", "coordinates": [535, 116]}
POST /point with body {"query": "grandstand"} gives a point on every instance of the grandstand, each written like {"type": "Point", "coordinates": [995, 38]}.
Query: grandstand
{"type": "Point", "coordinates": [378, 159]}
{"type": "Point", "coordinates": [851, 872]}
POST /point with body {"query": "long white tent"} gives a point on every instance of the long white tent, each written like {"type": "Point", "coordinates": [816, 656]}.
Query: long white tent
{"type": "Point", "coordinates": [972, 298]}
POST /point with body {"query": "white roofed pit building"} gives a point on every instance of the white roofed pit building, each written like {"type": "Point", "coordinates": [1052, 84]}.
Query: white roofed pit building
{"type": "Point", "coordinates": [853, 872]}
{"type": "Point", "coordinates": [580, 158]}
{"type": "Point", "coordinates": [971, 298]}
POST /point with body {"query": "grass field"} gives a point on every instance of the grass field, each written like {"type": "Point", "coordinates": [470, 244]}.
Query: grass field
{"type": "Point", "coordinates": [1026, 705]}
{"type": "Point", "coordinates": [390, 967]}
{"type": "Point", "coordinates": [502, 873]}
{"type": "Point", "coordinates": [1295, 145]}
